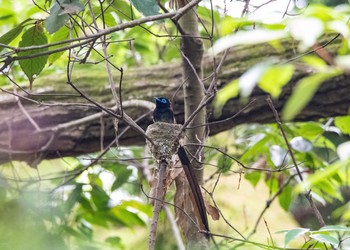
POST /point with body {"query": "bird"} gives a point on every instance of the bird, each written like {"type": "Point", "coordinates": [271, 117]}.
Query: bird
{"type": "Point", "coordinates": [163, 111]}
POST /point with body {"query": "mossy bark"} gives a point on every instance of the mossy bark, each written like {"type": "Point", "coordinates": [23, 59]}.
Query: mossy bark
{"type": "Point", "coordinates": [20, 141]}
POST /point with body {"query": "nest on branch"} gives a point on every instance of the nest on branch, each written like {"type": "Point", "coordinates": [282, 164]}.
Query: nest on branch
{"type": "Point", "coordinates": [166, 139]}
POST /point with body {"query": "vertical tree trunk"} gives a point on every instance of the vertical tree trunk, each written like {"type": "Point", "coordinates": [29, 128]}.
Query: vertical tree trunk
{"type": "Point", "coordinates": [192, 54]}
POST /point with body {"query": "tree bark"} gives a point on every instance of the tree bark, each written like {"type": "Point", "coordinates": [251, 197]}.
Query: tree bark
{"type": "Point", "coordinates": [193, 90]}
{"type": "Point", "coordinates": [57, 104]}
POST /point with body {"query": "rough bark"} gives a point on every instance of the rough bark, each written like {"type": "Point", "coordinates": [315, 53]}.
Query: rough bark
{"type": "Point", "coordinates": [193, 90]}
{"type": "Point", "coordinates": [20, 141]}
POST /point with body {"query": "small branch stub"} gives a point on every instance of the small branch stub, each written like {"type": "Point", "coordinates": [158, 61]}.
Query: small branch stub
{"type": "Point", "coordinates": [165, 137]}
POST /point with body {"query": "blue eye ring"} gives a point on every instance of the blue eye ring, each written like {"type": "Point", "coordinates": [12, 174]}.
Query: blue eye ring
{"type": "Point", "coordinates": [164, 100]}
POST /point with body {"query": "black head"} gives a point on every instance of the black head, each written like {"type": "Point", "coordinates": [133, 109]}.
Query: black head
{"type": "Point", "coordinates": [162, 102]}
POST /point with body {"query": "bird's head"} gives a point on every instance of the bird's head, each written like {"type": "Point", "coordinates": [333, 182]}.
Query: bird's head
{"type": "Point", "coordinates": [162, 102]}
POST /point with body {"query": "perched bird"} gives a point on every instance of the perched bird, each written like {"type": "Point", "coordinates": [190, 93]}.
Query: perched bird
{"type": "Point", "coordinates": [163, 111]}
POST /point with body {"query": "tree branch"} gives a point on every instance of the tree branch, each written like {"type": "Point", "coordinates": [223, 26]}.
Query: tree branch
{"type": "Point", "coordinates": [50, 105]}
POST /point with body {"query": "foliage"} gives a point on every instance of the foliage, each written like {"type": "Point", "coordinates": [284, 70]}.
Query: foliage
{"type": "Point", "coordinates": [316, 20]}
{"type": "Point", "coordinates": [325, 235]}
{"type": "Point", "coordinates": [75, 202]}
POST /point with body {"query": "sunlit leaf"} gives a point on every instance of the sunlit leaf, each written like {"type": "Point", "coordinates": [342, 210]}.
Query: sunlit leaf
{"type": "Point", "coordinates": [300, 144]}
{"type": "Point", "coordinates": [127, 217]}
{"type": "Point", "coordinates": [33, 66]}
{"type": "Point", "coordinates": [303, 93]}
{"type": "Point", "coordinates": [253, 177]}
{"type": "Point", "coordinates": [279, 156]}
{"type": "Point", "coordinates": [340, 27]}
{"type": "Point", "coordinates": [343, 151]}
{"type": "Point", "coordinates": [230, 90]}
{"type": "Point", "coordinates": [315, 62]}
{"type": "Point", "coordinates": [247, 37]}
{"type": "Point", "coordinates": [320, 176]}
{"type": "Point", "coordinates": [228, 24]}
{"type": "Point", "coordinates": [12, 34]}
{"type": "Point", "coordinates": [343, 123]}
{"type": "Point", "coordinates": [275, 77]}
{"type": "Point", "coordinates": [294, 233]}
{"type": "Point", "coordinates": [325, 239]}
{"type": "Point", "coordinates": [94, 179]}
{"type": "Point", "coordinates": [8, 13]}
{"type": "Point", "coordinates": [312, 29]}
{"type": "Point", "coordinates": [310, 130]}
{"type": "Point", "coordinates": [61, 35]}
{"type": "Point", "coordinates": [343, 61]}
{"type": "Point", "coordinates": [250, 78]}
{"type": "Point", "coordinates": [336, 228]}
{"type": "Point", "coordinates": [140, 206]}
{"type": "Point", "coordinates": [259, 147]}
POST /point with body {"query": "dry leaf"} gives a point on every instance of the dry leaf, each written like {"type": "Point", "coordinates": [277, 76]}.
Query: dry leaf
{"type": "Point", "coordinates": [212, 211]}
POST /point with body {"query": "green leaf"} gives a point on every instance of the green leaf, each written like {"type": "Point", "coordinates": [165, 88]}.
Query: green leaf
{"type": "Point", "coordinates": [315, 62]}
{"type": "Point", "coordinates": [126, 217]}
{"type": "Point", "coordinates": [321, 176]}
{"type": "Point", "coordinates": [255, 36]}
{"type": "Point", "coordinates": [224, 163]}
{"type": "Point", "coordinates": [300, 144]}
{"type": "Point", "coordinates": [58, 16]}
{"type": "Point", "coordinates": [146, 7]}
{"type": "Point", "coordinates": [303, 93]}
{"type": "Point", "coordinates": [250, 78]}
{"type": "Point", "coordinates": [73, 197]}
{"type": "Point", "coordinates": [343, 123]}
{"type": "Point", "coordinates": [140, 206]}
{"type": "Point", "coordinates": [122, 8]}
{"type": "Point", "coordinates": [231, 90]}
{"type": "Point", "coordinates": [294, 233]}
{"type": "Point", "coordinates": [260, 147]}
{"type": "Point", "coordinates": [332, 228]}
{"type": "Point", "coordinates": [275, 77]}
{"type": "Point", "coordinates": [61, 35]}
{"type": "Point", "coordinates": [94, 179]}
{"type": "Point", "coordinates": [312, 29]}
{"type": "Point", "coordinates": [33, 66]}
{"type": "Point", "coordinates": [12, 34]}
{"type": "Point", "coordinates": [343, 151]}
{"type": "Point", "coordinates": [122, 174]}
{"type": "Point", "coordinates": [310, 130]}
{"type": "Point", "coordinates": [285, 198]}
{"type": "Point", "coordinates": [324, 238]}
{"type": "Point", "coordinates": [253, 177]}
{"type": "Point", "coordinates": [99, 197]}
{"type": "Point", "coordinates": [86, 204]}
{"type": "Point", "coordinates": [279, 156]}
{"type": "Point", "coordinates": [8, 13]}
{"type": "Point", "coordinates": [115, 242]}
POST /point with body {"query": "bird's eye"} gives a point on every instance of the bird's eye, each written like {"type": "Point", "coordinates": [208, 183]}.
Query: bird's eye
{"type": "Point", "coordinates": [163, 100]}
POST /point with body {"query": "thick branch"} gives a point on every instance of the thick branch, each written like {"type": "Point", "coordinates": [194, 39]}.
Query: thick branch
{"type": "Point", "coordinates": [20, 140]}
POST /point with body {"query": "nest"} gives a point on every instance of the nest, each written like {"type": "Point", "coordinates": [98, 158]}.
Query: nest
{"type": "Point", "coordinates": [166, 139]}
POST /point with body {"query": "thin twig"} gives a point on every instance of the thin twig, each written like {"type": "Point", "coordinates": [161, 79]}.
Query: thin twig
{"type": "Point", "coordinates": [308, 193]}
{"type": "Point", "coordinates": [174, 228]}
